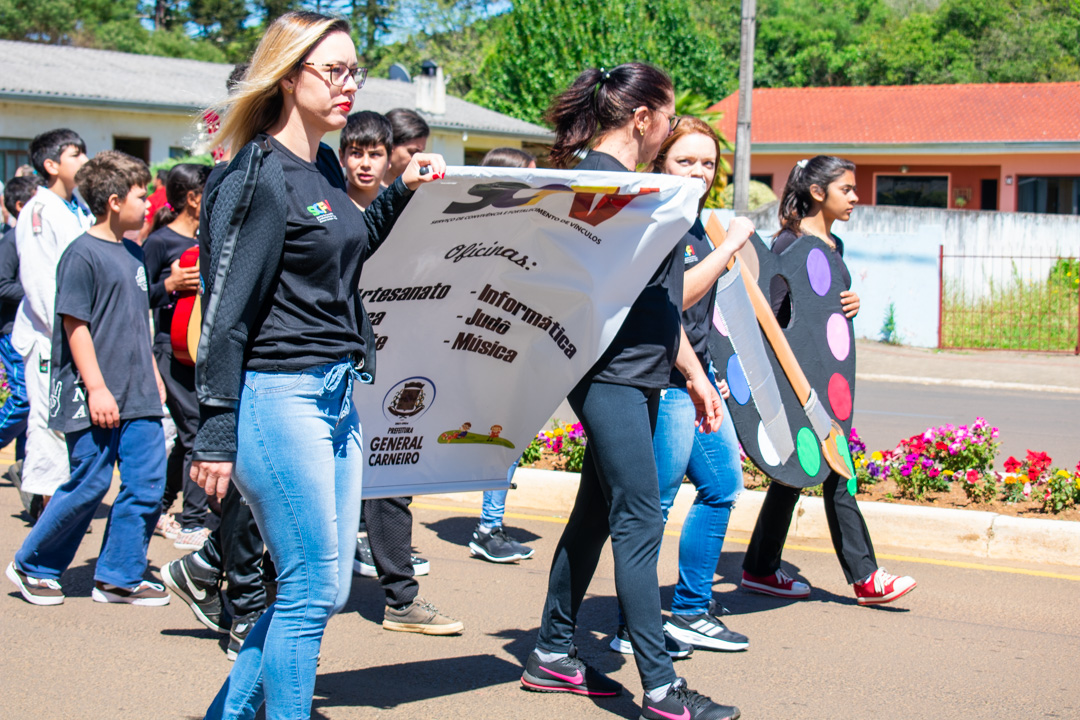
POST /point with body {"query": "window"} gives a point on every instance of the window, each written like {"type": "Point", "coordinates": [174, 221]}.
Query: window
{"type": "Point", "coordinates": [763, 179]}
{"type": "Point", "coordinates": [178, 152]}
{"type": "Point", "coordinates": [138, 147]}
{"type": "Point", "coordinates": [13, 153]}
{"type": "Point", "coordinates": [1052, 195]}
{"type": "Point", "coordinates": [913, 190]}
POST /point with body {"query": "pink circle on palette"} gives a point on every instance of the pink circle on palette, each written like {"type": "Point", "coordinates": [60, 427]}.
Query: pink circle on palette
{"type": "Point", "coordinates": [840, 396]}
{"type": "Point", "coordinates": [839, 336]}
{"type": "Point", "coordinates": [718, 322]}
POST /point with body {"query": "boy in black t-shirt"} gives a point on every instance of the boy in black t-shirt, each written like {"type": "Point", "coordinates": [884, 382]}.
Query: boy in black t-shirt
{"type": "Point", "coordinates": [106, 396]}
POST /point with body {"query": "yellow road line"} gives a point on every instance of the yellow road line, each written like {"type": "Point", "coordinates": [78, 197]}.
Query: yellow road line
{"type": "Point", "coordinates": [803, 548]}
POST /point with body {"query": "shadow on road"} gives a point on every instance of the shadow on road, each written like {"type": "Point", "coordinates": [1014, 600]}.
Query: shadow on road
{"type": "Point", "coordinates": [459, 530]}
{"type": "Point", "coordinates": [388, 686]}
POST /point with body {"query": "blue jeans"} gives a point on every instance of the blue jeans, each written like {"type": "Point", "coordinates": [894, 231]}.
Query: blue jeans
{"type": "Point", "coordinates": [16, 409]}
{"type": "Point", "coordinates": [711, 461]}
{"type": "Point", "coordinates": [138, 446]}
{"type": "Point", "coordinates": [493, 507]}
{"type": "Point", "coordinates": [299, 465]}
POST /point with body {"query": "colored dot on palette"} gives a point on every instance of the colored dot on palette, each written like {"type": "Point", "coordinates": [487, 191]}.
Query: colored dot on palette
{"type": "Point", "coordinates": [768, 451]}
{"type": "Point", "coordinates": [718, 322]}
{"type": "Point", "coordinates": [809, 451]}
{"type": "Point", "coordinates": [840, 396]}
{"type": "Point", "coordinates": [817, 268]}
{"type": "Point", "coordinates": [736, 380]}
{"type": "Point", "coordinates": [838, 335]}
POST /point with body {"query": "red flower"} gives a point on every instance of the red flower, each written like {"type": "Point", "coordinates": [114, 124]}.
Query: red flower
{"type": "Point", "coordinates": [1012, 464]}
{"type": "Point", "coordinates": [941, 446]}
{"type": "Point", "coordinates": [972, 476]}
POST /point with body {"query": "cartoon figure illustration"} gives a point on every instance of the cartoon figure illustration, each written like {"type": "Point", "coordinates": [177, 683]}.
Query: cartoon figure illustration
{"type": "Point", "coordinates": [464, 435]}
{"type": "Point", "coordinates": [465, 427]}
{"type": "Point", "coordinates": [495, 430]}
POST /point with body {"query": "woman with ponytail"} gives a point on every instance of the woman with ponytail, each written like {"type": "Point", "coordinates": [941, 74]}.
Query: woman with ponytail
{"type": "Point", "coordinates": [175, 227]}
{"type": "Point", "coordinates": [619, 118]}
{"type": "Point", "coordinates": [819, 191]}
{"type": "Point", "coordinates": [284, 338]}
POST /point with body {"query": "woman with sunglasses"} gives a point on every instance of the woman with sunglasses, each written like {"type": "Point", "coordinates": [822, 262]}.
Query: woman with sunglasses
{"type": "Point", "coordinates": [284, 337]}
{"type": "Point", "coordinates": [619, 118]}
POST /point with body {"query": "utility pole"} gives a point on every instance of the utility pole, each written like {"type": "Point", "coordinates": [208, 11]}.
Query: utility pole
{"type": "Point", "coordinates": [746, 87]}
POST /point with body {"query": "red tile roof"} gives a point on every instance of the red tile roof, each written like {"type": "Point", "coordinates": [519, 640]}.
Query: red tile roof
{"type": "Point", "coordinates": [910, 114]}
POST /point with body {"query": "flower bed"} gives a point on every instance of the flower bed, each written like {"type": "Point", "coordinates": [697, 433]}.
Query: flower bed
{"type": "Point", "coordinates": [947, 466]}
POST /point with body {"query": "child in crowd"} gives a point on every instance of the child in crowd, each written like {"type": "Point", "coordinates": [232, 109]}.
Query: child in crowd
{"type": "Point", "coordinates": [489, 540]}
{"type": "Point", "coordinates": [410, 137]}
{"type": "Point", "coordinates": [384, 543]}
{"type": "Point", "coordinates": [174, 228]}
{"type": "Point", "coordinates": [15, 410]}
{"type": "Point", "coordinates": [47, 224]}
{"type": "Point", "coordinates": [107, 400]}
{"type": "Point", "coordinates": [364, 150]}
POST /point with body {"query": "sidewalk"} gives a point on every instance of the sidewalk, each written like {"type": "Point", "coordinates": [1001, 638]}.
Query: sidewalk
{"type": "Point", "coordinates": [1046, 372]}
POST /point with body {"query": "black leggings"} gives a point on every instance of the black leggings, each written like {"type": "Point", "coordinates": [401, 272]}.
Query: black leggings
{"type": "Point", "coordinates": [389, 529]}
{"type": "Point", "coordinates": [179, 382]}
{"type": "Point", "coordinates": [850, 536]}
{"type": "Point", "coordinates": [618, 497]}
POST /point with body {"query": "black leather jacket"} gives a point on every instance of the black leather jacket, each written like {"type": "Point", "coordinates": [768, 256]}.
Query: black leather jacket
{"type": "Point", "coordinates": [245, 251]}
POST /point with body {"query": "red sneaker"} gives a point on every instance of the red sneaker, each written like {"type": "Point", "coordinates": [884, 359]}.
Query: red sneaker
{"type": "Point", "coordinates": [882, 588]}
{"type": "Point", "coordinates": [779, 584]}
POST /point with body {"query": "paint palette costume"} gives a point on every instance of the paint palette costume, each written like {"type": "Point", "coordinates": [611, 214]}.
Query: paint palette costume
{"type": "Point", "coordinates": [793, 388]}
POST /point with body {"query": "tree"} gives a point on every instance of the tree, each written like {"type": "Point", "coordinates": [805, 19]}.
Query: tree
{"type": "Point", "coordinates": [544, 44]}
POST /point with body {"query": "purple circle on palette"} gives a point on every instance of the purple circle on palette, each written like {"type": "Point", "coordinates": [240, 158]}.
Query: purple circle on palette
{"type": "Point", "coordinates": [817, 268]}
{"type": "Point", "coordinates": [839, 336]}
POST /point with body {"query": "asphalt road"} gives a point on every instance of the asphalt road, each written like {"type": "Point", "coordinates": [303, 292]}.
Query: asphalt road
{"type": "Point", "coordinates": [886, 412]}
{"type": "Point", "coordinates": [972, 641]}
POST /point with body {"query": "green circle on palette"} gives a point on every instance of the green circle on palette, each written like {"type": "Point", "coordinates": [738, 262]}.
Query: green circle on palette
{"type": "Point", "coordinates": [809, 451]}
{"type": "Point", "coordinates": [845, 452]}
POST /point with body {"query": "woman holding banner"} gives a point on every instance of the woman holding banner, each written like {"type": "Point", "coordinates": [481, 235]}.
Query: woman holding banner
{"type": "Point", "coordinates": [623, 115]}
{"type": "Point", "coordinates": [284, 337]}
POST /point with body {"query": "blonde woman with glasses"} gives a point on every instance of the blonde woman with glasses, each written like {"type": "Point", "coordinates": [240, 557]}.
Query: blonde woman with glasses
{"type": "Point", "coordinates": [284, 337]}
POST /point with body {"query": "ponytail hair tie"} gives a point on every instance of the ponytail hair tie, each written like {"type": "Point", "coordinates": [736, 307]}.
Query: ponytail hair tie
{"type": "Point", "coordinates": [169, 207]}
{"type": "Point", "coordinates": [605, 75]}
{"type": "Point", "coordinates": [802, 163]}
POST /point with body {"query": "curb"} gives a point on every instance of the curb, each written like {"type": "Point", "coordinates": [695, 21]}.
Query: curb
{"type": "Point", "coordinates": [971, 533]}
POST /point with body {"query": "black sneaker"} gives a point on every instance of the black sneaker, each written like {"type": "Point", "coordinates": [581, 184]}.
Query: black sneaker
{"type": "Point", "coordinates": [568, 674]}
{"type": "Point", "coordinates": [495, 545]}
{"type": "Point", "coordinates": [364, 563]}
{"type": "Point", "coordinates": [675, 648]}
{"type": "Point", "coordinates": [682, 703]}
{"type": "Point", "coordinates": [198, 587]}
{"type": "Point", "coordinates": [239, 630]}
{"type": "Point", "coordinates": [705, 631]}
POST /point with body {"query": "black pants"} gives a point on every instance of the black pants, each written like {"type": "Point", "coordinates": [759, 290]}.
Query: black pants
{"type": "Point", "coordinates": [184, 408]}
{"type": "Point", "coordinates": [619, 497]}
{"type": "Point", "coordinates": [235, 550]}
{"type": "Point", "coordinates": [850, 536]}
{"type": "Point", "coordinates": [389, 530]}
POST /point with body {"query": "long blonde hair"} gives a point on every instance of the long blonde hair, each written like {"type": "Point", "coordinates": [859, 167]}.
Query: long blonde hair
{"type": "Point", "coordinates": [257, 101]}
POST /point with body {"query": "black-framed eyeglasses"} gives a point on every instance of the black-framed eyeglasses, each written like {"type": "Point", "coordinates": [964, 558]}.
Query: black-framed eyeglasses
{"type": "Point", "coordinates": [339, 72]}
{"type": "Point", "coordinates": [673, 120]}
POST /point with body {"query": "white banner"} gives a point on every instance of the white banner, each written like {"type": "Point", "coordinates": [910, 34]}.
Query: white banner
{"type": "Point", "coordinates": [495, 293]}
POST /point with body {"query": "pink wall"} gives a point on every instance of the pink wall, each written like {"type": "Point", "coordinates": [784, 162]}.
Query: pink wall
{"type": "Point", "coordinates": [965, 171]}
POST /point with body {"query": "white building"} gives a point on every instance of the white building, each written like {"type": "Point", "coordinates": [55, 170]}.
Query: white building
{"type": "Point", "coordinates": [150, 106]}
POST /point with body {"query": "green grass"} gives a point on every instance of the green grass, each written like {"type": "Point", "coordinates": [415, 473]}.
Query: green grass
{"type": "Point", "coordinates": [1018, 315]}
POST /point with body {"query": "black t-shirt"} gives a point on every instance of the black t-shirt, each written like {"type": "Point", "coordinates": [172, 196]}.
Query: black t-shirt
{"type": "Point", "coordinates": [312, 318]}
{"type": "Point", "coordinates": [104, 284]}
{"type": "Point", "coordinates": [11, 292]}
{"type": "Point", "coordinates": [696, 319]}
{"type": "Point", "coordinates": [778, 290]}
{"type": "Point", "coordinates": [643, 351]}
{"type": "Point", "coordinates": [161, 248]}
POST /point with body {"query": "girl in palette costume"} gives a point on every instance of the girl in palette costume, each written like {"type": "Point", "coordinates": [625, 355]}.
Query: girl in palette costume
{"type": "Point", "coordinates": [819, 192]}
{"type": "Point", "coordinates": [619, 118]}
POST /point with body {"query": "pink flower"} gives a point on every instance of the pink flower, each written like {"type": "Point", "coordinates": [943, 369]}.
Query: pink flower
{"type": "Point", "coordinates": [972, 476]}
{"type": "Point", "coordinates": [955, 448]}
{"type": "Point", "coordinates": [1027, 489]}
